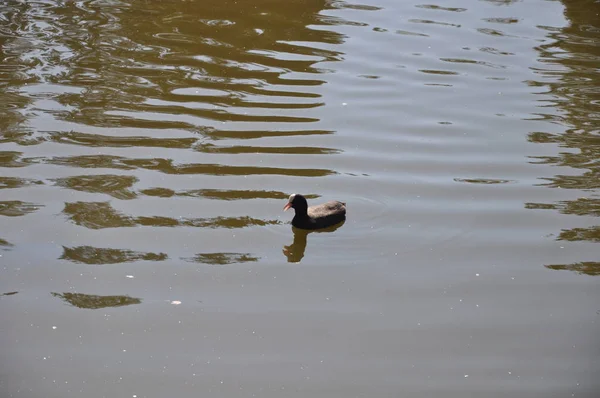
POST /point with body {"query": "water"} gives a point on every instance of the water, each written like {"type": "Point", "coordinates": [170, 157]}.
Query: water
{"type": "Point", "coordinates": [148, 148]}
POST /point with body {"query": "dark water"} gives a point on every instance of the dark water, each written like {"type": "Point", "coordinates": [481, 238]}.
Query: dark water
{"type": "Point", "coordinates": [147, 149]}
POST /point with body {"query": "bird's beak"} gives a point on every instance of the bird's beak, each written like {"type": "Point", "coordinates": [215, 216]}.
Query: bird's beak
{"type": "Point", "coordinates": [287, 206]}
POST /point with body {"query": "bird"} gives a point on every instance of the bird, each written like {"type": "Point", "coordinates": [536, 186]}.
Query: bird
{"type": "Point", "coordinates": [315, 217]}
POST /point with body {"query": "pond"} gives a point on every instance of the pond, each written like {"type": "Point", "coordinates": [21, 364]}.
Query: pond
{"type": "Point", "coordinates": [147, 150]}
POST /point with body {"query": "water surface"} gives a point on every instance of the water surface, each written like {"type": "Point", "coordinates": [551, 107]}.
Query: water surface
{"type": "Point", "coordinates": [147, 150]}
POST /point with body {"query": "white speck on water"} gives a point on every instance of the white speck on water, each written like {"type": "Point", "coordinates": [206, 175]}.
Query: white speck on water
{"type": "Point", "coordinates": [466, 376]}
{"type": "Point", "coordinates": [344, 103]}
{"type": "Point", "coordinates": [129, 276]}
{"type": "Point", "coordinates": [476, 274]}
{"type": "Point", "coordinates": [509, 373]}
{"type": "Point", "coordinates": [54, 327]}
{"type": "Point", "coordinates": [175, 302]}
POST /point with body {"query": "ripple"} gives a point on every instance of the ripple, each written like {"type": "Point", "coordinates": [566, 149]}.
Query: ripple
{"type": "Point", "coordinates": [217, 22]}
{"type": "Point", "coordinates": [159, 192]}
{"type": "Point", "coordinates": [85, 161]}
{"type": "Point", "coordinates": [101, 215]}
{"type": "Point", "coordinates": [408, 33]}
{"type": "Point", "coordinates": [97, 256]}
{"type": "Point", "coordinates": [94, 302]}
{"type": "Point", "coordinates": [428, 21]}
{"type": "Point", "coordinates": [168, 166]}
{"type": "Point", "coordinates": [470, 61]}
{"type": "Point", "coordinates": [10, 159]}
{"type": "Point", "coordinates": [350, 6]}
{"type": "Point", "coordinates": [16, 208]}
{"type": "Point", "coordinates": [5, 244]}
{"type": "Point", "coordinates": [15, 182]}
{"type": "Point", "coordinates": [222, 258]}
{"type": "Point", "coordinates": [198, 93]}
{"type": "Point", "coordinates": [491, 50]}
{"type": "Point", "coordinates": [116, 186]}
{"type": "Point", "coordinates": [434, 7]}
{"type": "Point", "coordinates": [591, 268]}
{"type": "Point", "coordinates": [502, 20]}
{"type": "Point", "coordinates": [225, 194]}
{"type": "Point", "coordinates": [591, 234]}
{"type": "Point", "coordinates": [579, 207]}
{"type": "Point", "coordinates": [238, 149]}
{"type": "Point", "coordinates": [491, 32]}
{"type": "Point", "coordinates": [97, 215]}
{"type": "Point", "coordinates": [486, 181]}
{"type": "Point", "coordinates": [253, 134]}
{"type": "Point", "coordinates": [149, 115]}
{"type": "Point", "coordinates": [97, 140]}
{"type": "Point", "coordinates": [438, 72]}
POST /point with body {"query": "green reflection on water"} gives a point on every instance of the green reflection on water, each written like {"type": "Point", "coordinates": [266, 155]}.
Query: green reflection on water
{"type": "Point", "coordinates": [96, 255]}
{"type": "Point", "coordinates": [99, 215]}
{"type": "Point", "coordinates": [93, 302]}
{"type": "Point", "coordinates": [586, 267]}
{"type": "Point", "coordinates": [573, 87]}
{"type": "Point", "coordinates": [222, 258]}
{"type": "Point", "coordinates": [16, 208]}
{"type": "Point", "coordinates": [114, 185]}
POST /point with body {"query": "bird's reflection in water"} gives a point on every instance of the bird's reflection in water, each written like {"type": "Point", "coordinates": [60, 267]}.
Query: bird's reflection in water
{"type": "Point", "coordinates": [295, 251]}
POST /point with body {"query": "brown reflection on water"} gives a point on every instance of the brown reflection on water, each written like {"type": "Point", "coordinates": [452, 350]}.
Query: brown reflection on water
{"type": "Point", "coordinates": [97, 255]}
{"type": "Point", "coordinates": [591, 234]}
{"type": "Point", "coordinates": [295, 251]}
{"type": "Point", "coordinates": [168, 166]}
{"type": "Point", "coordinates": [486, 181]}
{"type": "Point", "coordinates": [15, 182]}
{"type": "Point", "coordinates": [11, 159]}
{"type": "Point", "coordinates": [237, 149]}
{"type": "Point", "coordinates": [222, 258]}
{"type": "Point", "coordinates": [576, 95]}
{"type": "Point", "coordinates": [585, 267]}
{"type": "Point", "coordinates": [226, 194]}
{"type": "Point", "coordinates": [97, 140]}
{"type": "Point", "coordinates": [86, 161]}
{"type": "Point", "coordinates": [8, 293]}
{"type": "Point", "coordinates": [114, 185]}
{"type": "Point", "coordinates": [94, 302]}
{"type": "Point", "coordinates": [100, 215]}
{"type": "Point", "coordinates": [220, 194]}
{"type": "Point", "coordinates": [5, 244]}
{"type": "Point", "coordinates": [16, 208]}
{"type": "Point", "coordinates": [166, 58]}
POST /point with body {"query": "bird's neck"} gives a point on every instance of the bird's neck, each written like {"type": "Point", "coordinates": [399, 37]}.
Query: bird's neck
{"type": "Point", "coordinates": [301, 212]}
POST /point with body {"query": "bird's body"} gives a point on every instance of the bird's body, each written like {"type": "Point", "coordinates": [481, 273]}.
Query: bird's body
{"type": "Point", "coordinates": [315, 217]}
